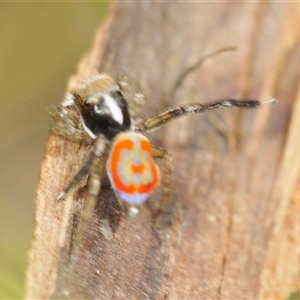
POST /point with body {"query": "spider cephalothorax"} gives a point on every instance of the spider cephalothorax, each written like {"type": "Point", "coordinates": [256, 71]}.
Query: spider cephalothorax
{"type": "Point", "coordinates": [102, 106]}
{"type": "Point", "coordinates": [120, 145]}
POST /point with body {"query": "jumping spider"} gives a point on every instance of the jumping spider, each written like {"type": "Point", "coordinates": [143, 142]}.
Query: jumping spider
{"type": "Point", "coordinates": [97, 108]}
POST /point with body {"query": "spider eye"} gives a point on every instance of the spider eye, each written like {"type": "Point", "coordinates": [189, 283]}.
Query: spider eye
{"type": "Point", "coordinates": [87, 104]}
{"type": "Point", "coordinates": [93, 101]}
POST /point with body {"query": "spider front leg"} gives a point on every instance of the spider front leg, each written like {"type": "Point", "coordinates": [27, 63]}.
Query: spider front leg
{"type": "Point", "coordinates": [173, 113]}
{"type": "Point", "coordinates": [94, 188]}
{"type": "Point", "coordinates": [96, 151]}
{"type": "Point", "coordinates": [94, 165]}
{"type": "Point", "coordinates": [159, 152]}
{"type": "Point", "coordinates": [135, 105]}
{"type": "Point", "coordinates": [67, 121]}
{"type": "Point", "coordinates": [138, 100]}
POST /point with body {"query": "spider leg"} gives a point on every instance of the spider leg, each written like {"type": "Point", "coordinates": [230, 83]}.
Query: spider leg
{"type": "Point", "coordinates": [170, 114]}
{"type": "Point", "coordinates": [78, 177]}
{"type": "Point", "coordinates": [136, 103]}
{"type": "Point", "coordinates": [138, 100]}
{"type": "Point", "coordinates": [97, 150]}
{"type": "Point", "coordinates": [95, 165]}
{"type": "Point", "coordinates": [130, 210]}
{"type": "Point", "coordinates": [67, 123]}
{"type": "Point", "coordinates": [159, 152]}
{"type": "Point", "coordinates": [94, 187]}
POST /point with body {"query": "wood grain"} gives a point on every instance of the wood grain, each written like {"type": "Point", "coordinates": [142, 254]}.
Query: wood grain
{"type": "Point", "coordinates": [231, 230]}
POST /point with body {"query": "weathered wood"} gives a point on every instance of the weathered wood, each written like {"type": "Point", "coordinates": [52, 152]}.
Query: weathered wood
{"type": "Point", "coordinates": [231, 230]}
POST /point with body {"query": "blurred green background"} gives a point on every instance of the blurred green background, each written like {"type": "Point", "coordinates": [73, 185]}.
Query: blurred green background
{"type": "Point", "coordinates": [41, 44]}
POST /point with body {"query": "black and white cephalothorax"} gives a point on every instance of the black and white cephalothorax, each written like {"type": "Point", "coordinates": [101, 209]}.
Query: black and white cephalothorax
{"type": "Point", "coordinates": [103, 109]}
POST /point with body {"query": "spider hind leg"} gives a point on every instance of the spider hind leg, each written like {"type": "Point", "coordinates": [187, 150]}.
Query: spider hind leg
{"type": "Point", "coordinates": [159, 152]}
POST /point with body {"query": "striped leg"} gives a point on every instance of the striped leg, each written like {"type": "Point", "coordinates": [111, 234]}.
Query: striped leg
{"type": "Point", "coordinates": [94, 188]}
{"type": "Point", "coordinates": [173, 113]}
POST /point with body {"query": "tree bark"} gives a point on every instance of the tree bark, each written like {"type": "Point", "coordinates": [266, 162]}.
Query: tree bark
{"type": "Point", "coordinates": [231, 229]}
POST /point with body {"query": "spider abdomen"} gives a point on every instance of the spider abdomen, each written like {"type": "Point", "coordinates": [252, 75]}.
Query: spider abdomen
{"type": "Point", "coordinates": [131, 167]}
